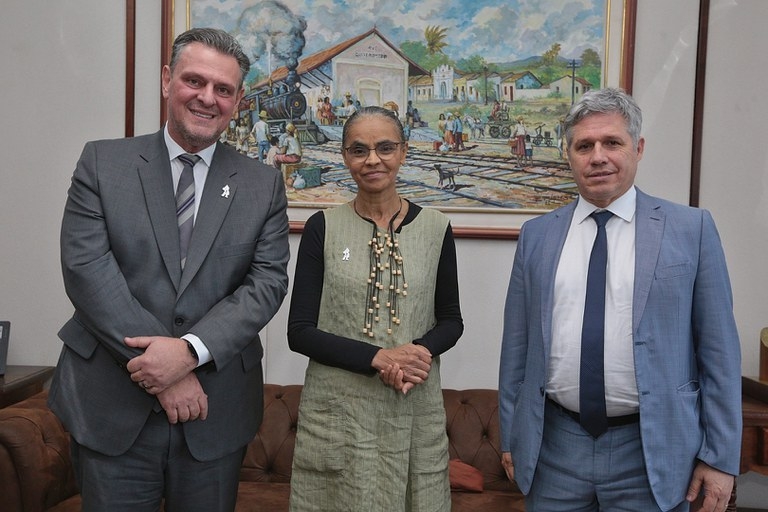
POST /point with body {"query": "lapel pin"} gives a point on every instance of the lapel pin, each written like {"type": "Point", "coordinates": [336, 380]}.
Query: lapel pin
{"type": "Point", "coordinates": [345, 255]}
{"type": "Point", "coordinates": [225, 191]}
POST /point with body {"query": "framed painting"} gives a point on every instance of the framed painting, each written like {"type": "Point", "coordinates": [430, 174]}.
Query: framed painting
{"type": "Point", "coordinates": [481, 88]}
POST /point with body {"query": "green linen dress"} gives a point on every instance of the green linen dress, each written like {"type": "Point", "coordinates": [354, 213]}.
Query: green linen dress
{"type": "Point", "coordinates": [362, 446]}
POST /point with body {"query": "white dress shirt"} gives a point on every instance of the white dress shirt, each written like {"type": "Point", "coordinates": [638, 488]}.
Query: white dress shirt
{"type": "Point", "coordinates": [200, 170]}
{"type": "Point", "coordinates": [568, 308]}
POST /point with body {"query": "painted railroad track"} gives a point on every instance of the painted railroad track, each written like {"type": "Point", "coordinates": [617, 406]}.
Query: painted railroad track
{"type": "Point", "coordinates": [477, 180]}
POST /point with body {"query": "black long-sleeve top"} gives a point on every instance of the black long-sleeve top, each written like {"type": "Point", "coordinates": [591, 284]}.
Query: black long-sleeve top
{"type": "Point", "coordinates": [305, 338]}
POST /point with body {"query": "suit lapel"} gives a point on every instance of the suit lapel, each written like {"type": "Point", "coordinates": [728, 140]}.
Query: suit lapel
{"type": "Point", "coordinates": [552, 248]}
{"type": "Point", "coordinates": [157, 183]}
{"type": "Point", "coordinates": [218, 194]}
{"type": "Point", "coordinates": [649, 228]}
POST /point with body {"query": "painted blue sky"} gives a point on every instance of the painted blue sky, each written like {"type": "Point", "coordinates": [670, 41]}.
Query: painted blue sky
{"type": "Point", "coordinates": [499, 30]}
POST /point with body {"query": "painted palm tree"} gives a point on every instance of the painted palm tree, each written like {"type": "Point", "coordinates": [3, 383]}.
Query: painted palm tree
{"type": "Point", "coordinates": [435, 38]}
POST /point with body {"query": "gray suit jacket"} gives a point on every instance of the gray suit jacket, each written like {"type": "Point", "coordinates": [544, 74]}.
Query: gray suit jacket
{"type": "Point", "coordinates": [686, 347]}
{"type": "Point", "coordinates": [120, 260]}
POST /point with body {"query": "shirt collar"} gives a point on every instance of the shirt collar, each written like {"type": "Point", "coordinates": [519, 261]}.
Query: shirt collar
{"type": "Point", "coordinates": [623, 207]}
{"type": "Point", "coordinates": [174, 150]}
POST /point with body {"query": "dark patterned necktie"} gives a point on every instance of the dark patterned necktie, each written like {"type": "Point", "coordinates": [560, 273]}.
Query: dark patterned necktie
{"type": "Point", "coordinates": [185, 203]}
{"type": "Point", "coordinates": [592, 413]}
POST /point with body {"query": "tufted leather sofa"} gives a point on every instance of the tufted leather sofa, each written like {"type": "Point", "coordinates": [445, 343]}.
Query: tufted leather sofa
{"type": "Point", "coordinates": [36, 475]}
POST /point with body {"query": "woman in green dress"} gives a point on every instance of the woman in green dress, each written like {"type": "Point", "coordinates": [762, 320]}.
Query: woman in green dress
{"type": "Point", "coordinates": [375, 302]}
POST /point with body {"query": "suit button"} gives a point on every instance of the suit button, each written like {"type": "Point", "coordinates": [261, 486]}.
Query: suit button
{"type": "Point", "coordinates": [178, 320]}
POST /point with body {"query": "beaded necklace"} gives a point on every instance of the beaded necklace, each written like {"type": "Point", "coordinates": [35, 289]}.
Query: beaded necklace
{"type": "Point", "coordinates": [384, 243]}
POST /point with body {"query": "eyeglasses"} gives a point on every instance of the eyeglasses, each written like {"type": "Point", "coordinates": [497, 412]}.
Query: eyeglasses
{"type": "Point", "coordinates": [386, 150]}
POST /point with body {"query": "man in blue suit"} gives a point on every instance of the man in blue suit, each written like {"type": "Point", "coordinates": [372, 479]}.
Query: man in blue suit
{"type": "Point", "coordinates": [159, 380]}
{"type": "Point", "coordinates": [671, 369]}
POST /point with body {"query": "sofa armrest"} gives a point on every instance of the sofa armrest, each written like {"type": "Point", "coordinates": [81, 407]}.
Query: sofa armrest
{"type": "Point", "coordinates": [35, 467]}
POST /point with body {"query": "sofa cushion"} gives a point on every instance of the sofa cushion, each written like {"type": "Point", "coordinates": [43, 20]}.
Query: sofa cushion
{"type": "Point", "coordinates": [263, 497]}
{"type": "Point", "coordinates": [270, 454]}
{"type": "Point", "coordinates": [487, 501]}
{"type": "Point", "coordinates": [472, 422]}
{"type": "Point", "coordinates": [464, 477]}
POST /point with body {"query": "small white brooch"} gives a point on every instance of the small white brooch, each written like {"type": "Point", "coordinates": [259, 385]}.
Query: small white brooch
{"type": "Point", "coordinates": [345, 255]}
{"type": "Point", "coordinates": [225, 191]}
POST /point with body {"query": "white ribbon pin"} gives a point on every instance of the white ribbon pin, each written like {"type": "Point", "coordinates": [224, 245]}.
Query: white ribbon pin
{"type": "Point", "coordinates": [225, 191]}
{"type": "Point", "coordinates": [345, 255]}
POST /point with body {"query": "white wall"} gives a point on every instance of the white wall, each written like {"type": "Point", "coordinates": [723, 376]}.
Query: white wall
{"type": "Point", "coordinates": [734, 182]}
{"type": "Point", "coordinates": [63, 84]}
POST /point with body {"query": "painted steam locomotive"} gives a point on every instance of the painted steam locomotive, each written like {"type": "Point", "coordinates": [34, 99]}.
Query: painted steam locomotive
{"type": "Point", "coordinates": [285, 103]}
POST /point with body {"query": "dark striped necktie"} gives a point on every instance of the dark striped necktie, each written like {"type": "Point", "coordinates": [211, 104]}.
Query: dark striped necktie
{"type": "Point", "coordinates": [185, 203]}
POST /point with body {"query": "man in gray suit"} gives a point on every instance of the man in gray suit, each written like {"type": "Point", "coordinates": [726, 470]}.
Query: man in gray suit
{"type": "Point", "coordinates": [663, 427]}
{"type": "Point", "coordinates": [159, 380]}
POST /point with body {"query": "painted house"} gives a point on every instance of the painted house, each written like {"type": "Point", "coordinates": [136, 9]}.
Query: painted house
{"type": "Point", "coordinates": [367, 68]}
{"type": "Point", "coordinates": [480, 83]}
{"type": "Point", "coordinates": [421, 88]}
{"type": "Point", "coordinates": [460, 87]}
{"type": "Point", "coordinates": [443, 77]}
{"type": "Point", "coordinates": [512, 84]}
{"type": "Point", "coordinates": [565, 86]}
{"type": "Point", "coordinates": [472, 87]}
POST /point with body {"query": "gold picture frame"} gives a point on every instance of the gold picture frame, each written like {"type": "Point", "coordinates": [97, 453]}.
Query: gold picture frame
{"type": "Point", "coordinates": [617, 61]}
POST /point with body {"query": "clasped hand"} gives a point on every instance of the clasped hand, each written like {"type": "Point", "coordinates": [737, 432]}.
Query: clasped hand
{"type": "Point", "coordinates": [403, 367]}
{"type": "Point", "coordinates": [165, 370]}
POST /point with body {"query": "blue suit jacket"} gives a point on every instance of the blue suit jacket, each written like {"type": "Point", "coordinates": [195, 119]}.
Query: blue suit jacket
{"type": "Point", "coordinates": [120, 262]}
{"type": "Point", "coordinates": [686, 347]}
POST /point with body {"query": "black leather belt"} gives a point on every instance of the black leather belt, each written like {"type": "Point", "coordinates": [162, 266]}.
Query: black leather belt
{"type": "Point", "coordinates": [613, 421]}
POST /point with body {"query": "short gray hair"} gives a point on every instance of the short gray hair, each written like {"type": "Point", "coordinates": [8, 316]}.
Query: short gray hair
{"type": "Point", "coordinates": [214, 38]}
{"type": "Point", "coordinates": [605, 101]}
{"type": "Point", "coordinates": [372, 111]}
